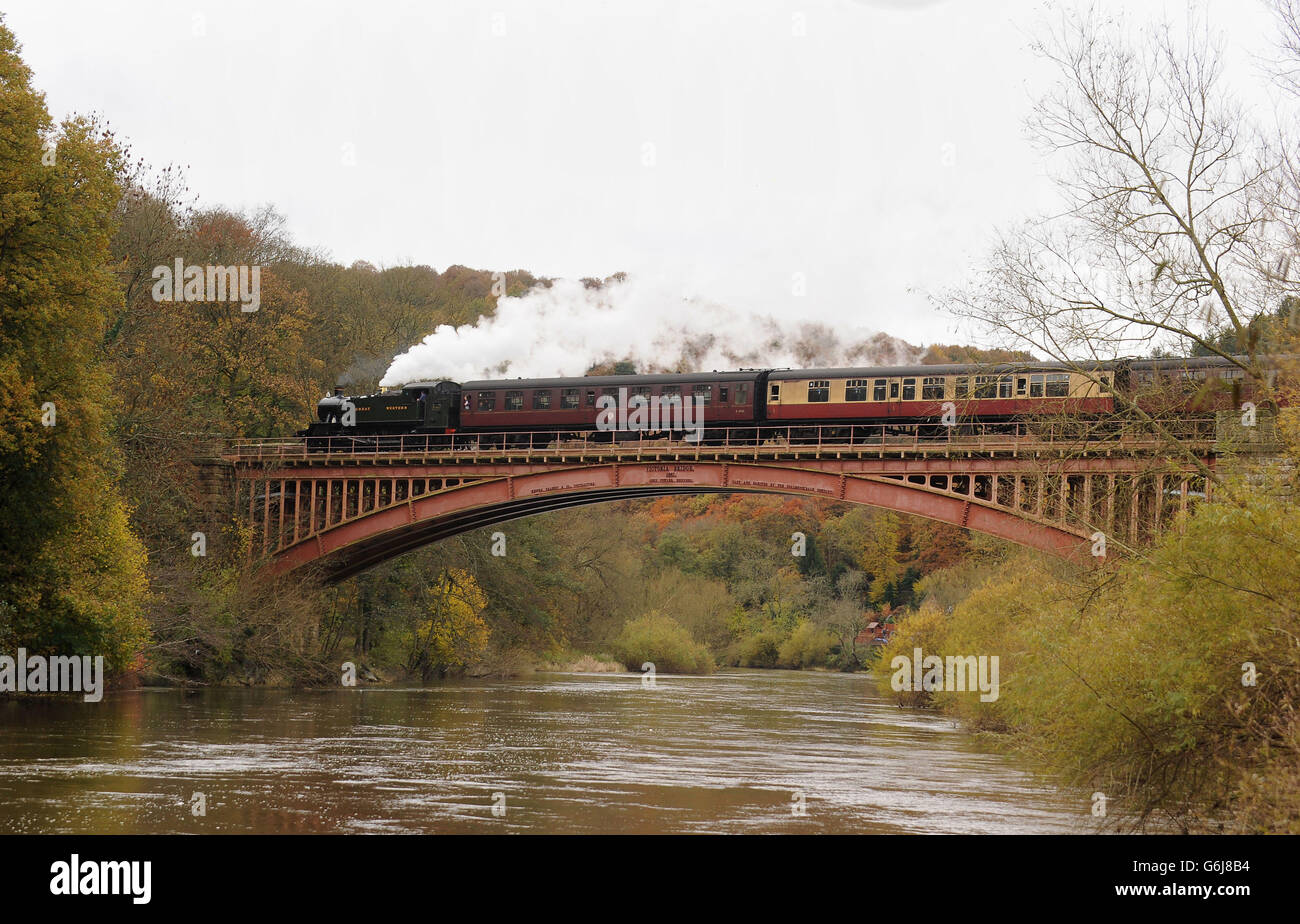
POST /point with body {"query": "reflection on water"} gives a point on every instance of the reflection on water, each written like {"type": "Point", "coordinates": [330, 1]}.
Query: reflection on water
{"type": "Point", "coordinates": [570, 753]}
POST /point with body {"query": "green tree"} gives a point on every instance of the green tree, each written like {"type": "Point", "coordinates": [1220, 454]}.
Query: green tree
{"type": "Point", "coordinates": [71, 571]}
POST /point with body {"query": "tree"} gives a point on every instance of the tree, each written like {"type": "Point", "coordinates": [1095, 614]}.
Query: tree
{"type": "Point", "coordinates": [1283, 200]}
{"type": "Point", "coordinates": [846, 618]}
{"type": "Point", "coordinates": [454, 633]}
{"type": "Point", "coordinates": [938, 353]}
{"type": "Point", "coordinates": [1166, 230]}
{"type": "Point", "coordinates": [71, 571]}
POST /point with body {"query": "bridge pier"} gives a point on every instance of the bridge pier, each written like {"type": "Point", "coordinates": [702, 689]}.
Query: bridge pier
{"type": "Point", "coordinates": [216, 487]}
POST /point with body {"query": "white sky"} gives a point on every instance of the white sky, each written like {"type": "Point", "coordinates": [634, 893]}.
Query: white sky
{"type": "Point", "coordinates": [873, 154]}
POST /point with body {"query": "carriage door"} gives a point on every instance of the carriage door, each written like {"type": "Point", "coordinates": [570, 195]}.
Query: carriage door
{"type": "Point", "coordinates": [895, 395]}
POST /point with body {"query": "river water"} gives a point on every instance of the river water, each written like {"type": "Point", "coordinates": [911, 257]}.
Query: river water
{"type": "Point", "coordinates": [739, 751]}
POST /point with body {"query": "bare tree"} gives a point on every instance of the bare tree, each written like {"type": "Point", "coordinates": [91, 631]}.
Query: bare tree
{"type": "Point", "coordinates": [1283, 199]}
{"type": "Point", "coordinates": [1168, 214]}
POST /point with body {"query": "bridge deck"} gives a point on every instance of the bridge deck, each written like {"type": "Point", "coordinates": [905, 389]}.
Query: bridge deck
{"type": "Point", "coordinates": [775, 444]}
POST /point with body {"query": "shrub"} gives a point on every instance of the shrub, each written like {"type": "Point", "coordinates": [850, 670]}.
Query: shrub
{"type": "Point", "coordinates": [924, 629]}
{"type": "Point", "coordinates": [665, 643]}
{"type": "Point", "coordinates": [762, 649]}
{"type": "Point", "coordinates": [809, 645]}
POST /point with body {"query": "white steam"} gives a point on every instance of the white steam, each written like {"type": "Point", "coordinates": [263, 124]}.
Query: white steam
{"type": "Point", "coordinates": [567, 328]}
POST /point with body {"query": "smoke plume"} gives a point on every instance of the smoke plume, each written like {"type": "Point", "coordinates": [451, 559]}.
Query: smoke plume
{"type": "Point", "coordinates": [566, 328]}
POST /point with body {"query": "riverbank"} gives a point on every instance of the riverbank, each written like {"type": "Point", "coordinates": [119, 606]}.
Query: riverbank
{"type": "Point", "coordinates": [1165, 682]}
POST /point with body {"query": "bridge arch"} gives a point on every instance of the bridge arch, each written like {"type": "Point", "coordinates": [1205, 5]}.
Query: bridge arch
{"type": "Point", "coordinates": [354, 543]}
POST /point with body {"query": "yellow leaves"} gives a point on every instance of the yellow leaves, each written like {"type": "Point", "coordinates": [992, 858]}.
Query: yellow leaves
{"type": "Point", "coordinates": [455, 634]}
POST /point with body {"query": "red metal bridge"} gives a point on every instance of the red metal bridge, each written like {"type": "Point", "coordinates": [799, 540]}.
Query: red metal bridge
{"type": "Point", "coordinates": [1052, 486]}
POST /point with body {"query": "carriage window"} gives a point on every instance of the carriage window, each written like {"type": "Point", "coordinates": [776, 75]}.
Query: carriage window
{"type": "Point", "coordinates": [878, 390]}
{"type": "Point", "coordinates": [961, 386]}
{"type": "Point", "coordinates": [541, 401]}
{"type": "Point", "coordinates": [855, 390]}
{"type": "Point", "coordinates": [722, 394]}
{"type": "Point", "coordinates": [1004, 387]}
{"type": "Point", "coordinates": [591, 397]}
{"type": "Point", "coordinates": [1022, 385]}
{"type": "Point", "coordinates": [703, 393]}
{"type": "Point", "coordinates": [569, 399]}
{"type": "Point", "coordinates": [742, 394]}
{"type": "Point", "coordinates": [909, 389]}
{"type": "Point", "coordinates": [671, 394]}
{"type": "Point", "coordinates": [514, 400]}
{"type": "Point", "coordinates": [487, 401]}
{"type": "Point", "coordinates": [819, 390]}
{"type": "Point", "coordinates": [893, 388]}
{"type": "Point", "coordinates": [776, 393]}
{"type": "Point", "coordinates": [986, 386]}
{"type": "Point", "coordinates": [1035, 386]}
{"type": "Point", "coordinates": [1103, 384]}
{"type": "Point", "coordinates": [932, 388]}
{"type": "Point", "coordinates": [1058, 384]}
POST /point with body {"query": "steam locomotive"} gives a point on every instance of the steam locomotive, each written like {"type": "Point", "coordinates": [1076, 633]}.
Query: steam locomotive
{"type": "Point", "coordinates": [736, 405]}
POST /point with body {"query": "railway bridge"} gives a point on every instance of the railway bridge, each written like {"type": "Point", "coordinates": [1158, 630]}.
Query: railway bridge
{"type": "Point", "coordinates": [344, 506]}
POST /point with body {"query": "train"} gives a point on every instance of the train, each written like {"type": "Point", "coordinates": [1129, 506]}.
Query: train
{"type": "Point", "coordinates": [745, 405]}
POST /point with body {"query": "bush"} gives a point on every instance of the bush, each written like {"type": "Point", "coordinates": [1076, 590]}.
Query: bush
{"type": "Point", "coordinates": [809, 645]}
{"type": "Point", "coordinates": [924, 629]}
{"type": "Point", "coordinates": [662, 641]}
{"type": "Point", "coordinates": [763, 649]}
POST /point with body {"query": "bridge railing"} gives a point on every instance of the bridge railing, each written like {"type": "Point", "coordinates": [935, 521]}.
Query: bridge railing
{"type": "Point", "coordinates": [856, 437]}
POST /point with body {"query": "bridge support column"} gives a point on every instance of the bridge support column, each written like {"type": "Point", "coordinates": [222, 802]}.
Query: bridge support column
{"type": "Point", "coordinates": [1110, 505]}
{"type": "Point", "coordinates": [217, 496]}
{"type": "Point", "coordinates": [1134, 500]}
{"type": "Point", "coordinates": [266, 514]}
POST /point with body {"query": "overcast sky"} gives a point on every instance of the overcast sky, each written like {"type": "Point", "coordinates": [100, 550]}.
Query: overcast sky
{"type": "Point", "coordinates": [718, 147]}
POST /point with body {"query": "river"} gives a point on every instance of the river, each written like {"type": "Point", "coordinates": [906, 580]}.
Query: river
{"type": "Point", "coordinates": [739, 751]}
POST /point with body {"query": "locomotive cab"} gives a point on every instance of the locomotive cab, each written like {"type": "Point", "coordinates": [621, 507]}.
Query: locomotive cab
{"type": "Point", "coordinates": [438, 404]}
